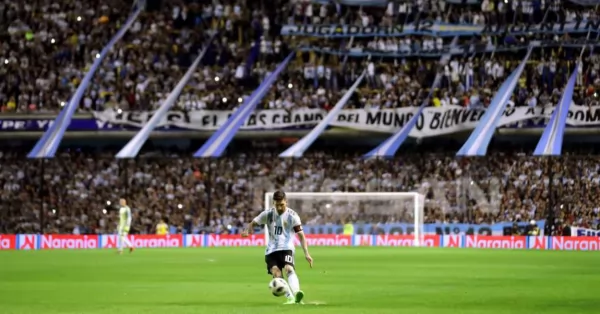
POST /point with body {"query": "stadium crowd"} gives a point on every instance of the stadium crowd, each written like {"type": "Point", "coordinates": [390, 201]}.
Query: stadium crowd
{"type": "Point", "coordinates": [53, 45]}
{"type": "Point", "coordinates": [47, 47]}
{"type": "Point", "coordinates": [80, 189]}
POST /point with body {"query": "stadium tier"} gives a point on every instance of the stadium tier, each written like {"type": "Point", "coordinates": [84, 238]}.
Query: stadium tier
{"type": "Point", "coordinates": [348, 156]}
{"type": "Point", "coordinates": [56, 49]}
{"type": "Point", "coordinates": [79, 190]}
{"type": "Point", "coordinates": [428, 71]}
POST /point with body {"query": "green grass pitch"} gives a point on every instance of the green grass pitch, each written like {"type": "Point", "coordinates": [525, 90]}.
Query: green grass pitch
{"type": "Point", "coordinates": [344, 280]}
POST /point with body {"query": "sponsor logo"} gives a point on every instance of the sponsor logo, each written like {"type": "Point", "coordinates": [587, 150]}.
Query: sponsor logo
{"type": "Point", "coordinates": [154, 241]}
{"type": "Point", "coordinates": [405, 240]}
{"type": "Point", "coordinates": [538, 243]}
{"type": "Point", "coordinates": [363, 240]}
{"type": "Point", "coordinates": [28, 241]}
{"type": "Point", "coordinates": [194, 240]}
{"type": "Point", "coordinates": [575, 243]}
{"type": "Point", "coordinates": [493, 242]}
{"type": "Point", "coordinates": [394, 240]}
{"type": "Point", "coordinates": [453, 240]}
{"type": "Point", "coordinates": [110, 241]}
{"type": "Point", "coordinates": [57, 241]}
{"type": "Point", "coordinates": [326, 240]}
{"type": "Point", "coordinates": [431, 241]}
{"type": "Point", "coordinates": [144, 241]}
{"type": "Point", "coordinates": [235, 240]}
{"type": "Point", "coordinates": [8, 242]}
{"type": "Point", "coordinates": [63, 241]}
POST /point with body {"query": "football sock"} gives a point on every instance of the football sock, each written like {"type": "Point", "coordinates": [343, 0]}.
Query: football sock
{"type": "Point", "coordinates": [288, 293]}
{"type": "Point", "coordinates": [293, 282]}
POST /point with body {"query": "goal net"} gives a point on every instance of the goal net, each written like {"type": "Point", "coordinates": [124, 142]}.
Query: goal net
{"type": "Point", "coordinates": [374, 213]}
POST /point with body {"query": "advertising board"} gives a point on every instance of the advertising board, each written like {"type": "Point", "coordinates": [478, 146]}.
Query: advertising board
{"type": "Point", "coordinates": [77, 242]}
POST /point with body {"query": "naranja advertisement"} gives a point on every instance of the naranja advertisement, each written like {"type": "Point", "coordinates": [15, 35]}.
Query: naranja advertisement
{"type": "Point", "coordinates": [66, 241]}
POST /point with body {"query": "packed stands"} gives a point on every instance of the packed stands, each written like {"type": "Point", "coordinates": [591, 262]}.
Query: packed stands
{"type": "Point", "coordinates": [47, 46]}
{"type": "Point", "coordinates": [56, 43]}
{"type": "Point", "coordinates": [207, 195]}
{"type": "Point", "coordinates": [141, 69]}
{"type": "Point", "coordinates": [146, 64]}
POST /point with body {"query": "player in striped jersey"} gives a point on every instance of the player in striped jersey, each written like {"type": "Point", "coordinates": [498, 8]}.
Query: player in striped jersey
{"type": "Point", "coordinates": [282, 222]}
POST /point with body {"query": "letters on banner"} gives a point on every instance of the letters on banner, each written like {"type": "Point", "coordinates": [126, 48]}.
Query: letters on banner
{"type": "Point", "coordinates": [455, 50]}
{"type": "Point", "coordinates": [584, 232]}
{"type": "Point", "coordinates": [433, 121]}
{"type": "Point", "coordinates": [75, 242]}
{"type": "Point", "coordinates": [435, 28]}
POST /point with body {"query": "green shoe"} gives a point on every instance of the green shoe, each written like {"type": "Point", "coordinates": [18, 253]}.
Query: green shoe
{"type": "Point", "coordinates": [290, 300]}
{"type": "Point", "coordinates": [299, 296]}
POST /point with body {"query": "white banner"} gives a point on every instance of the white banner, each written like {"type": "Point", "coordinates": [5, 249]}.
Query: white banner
{"type": "Point", "coordinates": [433, 121]}
{"type": "Point", "coordinates": [583, 232]}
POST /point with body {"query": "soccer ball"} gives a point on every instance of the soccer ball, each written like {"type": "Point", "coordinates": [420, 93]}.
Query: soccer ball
{"type": "Point", "coordinates": [278, 287]}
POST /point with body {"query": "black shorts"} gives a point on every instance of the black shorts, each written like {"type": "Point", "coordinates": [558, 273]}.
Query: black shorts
{"type": "Point", "coordinates": [279, 259]}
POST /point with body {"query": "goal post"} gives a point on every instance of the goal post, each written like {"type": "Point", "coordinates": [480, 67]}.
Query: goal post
{"type": "Point", "coordinates": [366, 210]}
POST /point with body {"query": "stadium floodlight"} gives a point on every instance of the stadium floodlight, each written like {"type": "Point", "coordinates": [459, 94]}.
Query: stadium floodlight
{"type": "Point", "coordinates": [365, 210]}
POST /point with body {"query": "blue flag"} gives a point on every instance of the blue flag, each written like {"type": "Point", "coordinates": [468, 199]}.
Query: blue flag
{"type": "Point", "coordinates": [132, 148]}
{"type": "Point", "coordinates": [480, 138]}
{"type": "Point", "coordinates": [298, 149]}
{"type": "Point", "coordinates": [46, 147]}
{"type": "Point", "coordinates": [551, 141]}
{"type": "Point", "coordinates": [216, 144]}
{"type": "Point", "coordinates": [391, 145]}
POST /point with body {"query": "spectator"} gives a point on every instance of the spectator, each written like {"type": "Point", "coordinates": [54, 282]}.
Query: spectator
{"type": "Point", "coordinates": [47, 48]}
{"type": "Point", "coordinates": [198, 195]}
{"type": "Point", "coordinates": [145, 65]}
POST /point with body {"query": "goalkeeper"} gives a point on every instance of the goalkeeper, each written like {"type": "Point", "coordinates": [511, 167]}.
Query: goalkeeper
{"type": "Point", "coordinates": [124, 225]}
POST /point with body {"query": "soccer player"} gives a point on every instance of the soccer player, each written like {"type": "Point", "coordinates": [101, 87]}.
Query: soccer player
{"type": "Point", "coordinates": [162, 228]}
{"type": "Point", "coordinates": [124, 225]}
{"type": "Point", "coordinates": [281, 222]}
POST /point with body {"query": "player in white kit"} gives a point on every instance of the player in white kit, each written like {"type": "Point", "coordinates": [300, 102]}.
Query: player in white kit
{"type": "Point", "coordinates": [282, 222]}
{"type": "Point", "coordinates": [124, 225]}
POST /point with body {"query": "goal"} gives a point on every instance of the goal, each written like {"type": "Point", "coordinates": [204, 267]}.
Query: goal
{"type": "Point", "coordinates": [369, 212]}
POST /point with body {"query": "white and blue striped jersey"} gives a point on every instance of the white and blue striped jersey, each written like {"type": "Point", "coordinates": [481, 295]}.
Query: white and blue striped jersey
{"type": "Point", "coordinates": [281, 228]}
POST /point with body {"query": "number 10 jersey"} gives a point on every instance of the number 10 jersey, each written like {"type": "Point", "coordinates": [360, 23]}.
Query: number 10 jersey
{"type": "Point", "coordinates": [281, 228]}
